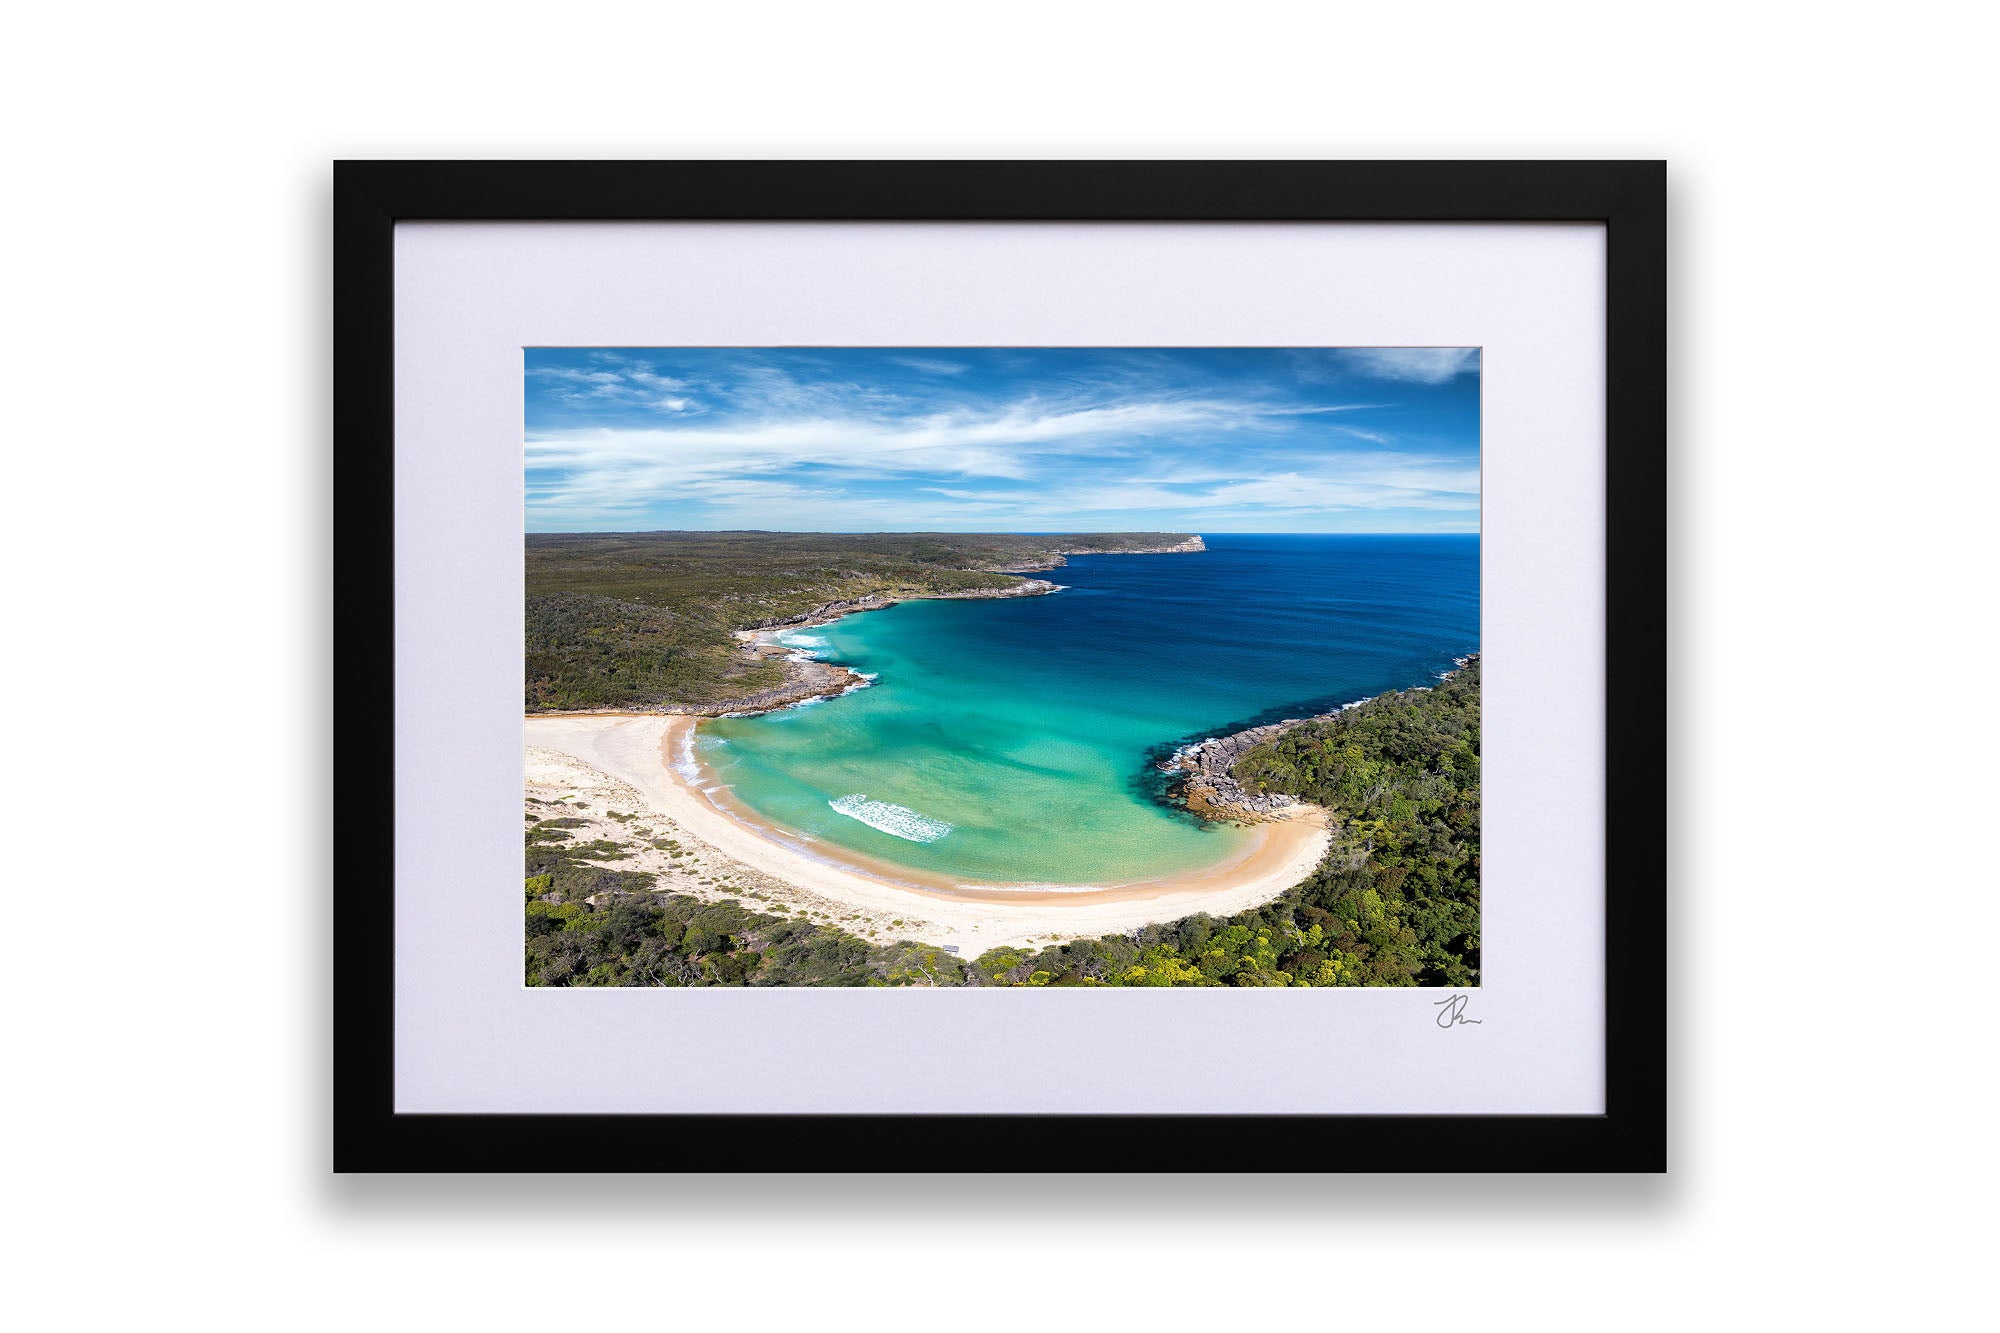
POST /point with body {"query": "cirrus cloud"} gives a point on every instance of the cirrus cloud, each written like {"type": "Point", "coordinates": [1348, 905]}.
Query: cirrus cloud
{"type": "Point", "coordinates": [1412, 365]}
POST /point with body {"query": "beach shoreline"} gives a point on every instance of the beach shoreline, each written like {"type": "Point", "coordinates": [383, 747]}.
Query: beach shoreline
{"type": "Point", "coordinates": [652, 755]}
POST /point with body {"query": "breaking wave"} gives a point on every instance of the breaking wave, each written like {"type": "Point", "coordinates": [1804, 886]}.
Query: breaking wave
{"type": "Point", "coordinates": [895, 820]}
{"type": "Point", "coordinates": [684, 762]}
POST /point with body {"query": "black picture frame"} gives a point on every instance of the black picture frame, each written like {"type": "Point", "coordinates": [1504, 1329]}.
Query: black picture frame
{"type": "Point", "coordinates": [1627, 197]}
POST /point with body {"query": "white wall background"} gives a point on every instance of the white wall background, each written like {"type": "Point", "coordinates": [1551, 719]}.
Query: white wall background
{"type": "Point", "coordinates": [167, 776]}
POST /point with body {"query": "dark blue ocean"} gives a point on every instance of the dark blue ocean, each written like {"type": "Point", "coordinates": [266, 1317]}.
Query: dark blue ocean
{"type": "Point", "coordinates": [1258, 624]}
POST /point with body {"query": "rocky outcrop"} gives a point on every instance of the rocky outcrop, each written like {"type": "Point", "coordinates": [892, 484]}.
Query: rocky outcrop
{"type": "Point", "coordinates": [804, 679]}
{"type": "Point", "coordinates": [1210, 788]}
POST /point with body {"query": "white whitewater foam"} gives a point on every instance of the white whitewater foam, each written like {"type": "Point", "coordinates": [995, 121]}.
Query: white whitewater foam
{"type": "Point", "coordinates": [685, 764]}
{"type": "Point", "coordinates": [803, 640]}
{"type": "Point", "coordinates": [897, 821]}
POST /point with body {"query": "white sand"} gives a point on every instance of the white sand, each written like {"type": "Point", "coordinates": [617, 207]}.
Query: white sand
{"type": "Point", "coordinates": [632, 750]}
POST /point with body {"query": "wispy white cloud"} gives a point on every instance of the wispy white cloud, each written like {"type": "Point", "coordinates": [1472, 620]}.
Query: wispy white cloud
{"type": "Point", "coordinates": [606, 461]}
{"type": "Point", "coordinates": [1415, 365]}
{"type": "Point", "coordinates": [630, 383]}
{"type": "Point", "coordinates": [1341, 485]}
{"type": "Point", "coordinates": [931, 365]}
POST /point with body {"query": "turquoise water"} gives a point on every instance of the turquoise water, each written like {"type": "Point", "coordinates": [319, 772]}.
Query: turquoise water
{"type": "Point", "coordinates": [1016, 740]}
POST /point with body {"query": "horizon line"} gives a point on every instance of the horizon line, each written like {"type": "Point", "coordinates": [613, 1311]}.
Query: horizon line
{"type": "Point", "coordinates": [985, 532]}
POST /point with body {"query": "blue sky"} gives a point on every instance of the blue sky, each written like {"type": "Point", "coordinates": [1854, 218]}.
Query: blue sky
{"type": "Point", "coordinates": [1003, 439]}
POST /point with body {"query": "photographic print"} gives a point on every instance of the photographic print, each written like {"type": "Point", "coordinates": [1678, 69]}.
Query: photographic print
{"type": "Point", "coordinates": [1072, 667]}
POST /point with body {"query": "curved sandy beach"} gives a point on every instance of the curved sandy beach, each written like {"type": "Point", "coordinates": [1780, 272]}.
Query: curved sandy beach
{"type": "Point", "coordinates": [641, 751]}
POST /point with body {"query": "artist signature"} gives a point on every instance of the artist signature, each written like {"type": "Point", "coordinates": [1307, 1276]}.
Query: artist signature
{"type": "Point", "coordinates": [1451, 1011]}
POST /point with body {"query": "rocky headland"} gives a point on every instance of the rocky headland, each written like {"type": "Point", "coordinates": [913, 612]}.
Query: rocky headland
{"type": "Point", "coordinates": [828, 612]}
{"type": "Point", "coordinates": [1208, 784]}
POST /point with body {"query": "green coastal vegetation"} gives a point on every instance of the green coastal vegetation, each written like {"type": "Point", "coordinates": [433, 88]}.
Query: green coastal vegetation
{"type": "Point", "coordinates": [646, 620]}
{"type": "Point", "coordinates": [589, 924]}
{"type": "Point", "coordinates": [1395, 901]}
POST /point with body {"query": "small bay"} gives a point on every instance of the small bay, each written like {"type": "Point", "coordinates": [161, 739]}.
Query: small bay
{"type": "Point", "coordinates": [1015, 740]}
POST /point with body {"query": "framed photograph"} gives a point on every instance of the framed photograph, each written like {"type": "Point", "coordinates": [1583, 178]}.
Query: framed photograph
{"type": "Point", "coordinates": [1055, 657]}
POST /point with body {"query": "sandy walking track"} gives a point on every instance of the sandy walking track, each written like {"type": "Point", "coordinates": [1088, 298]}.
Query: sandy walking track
{"type": "Point", "coordinates": [642, 751]}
